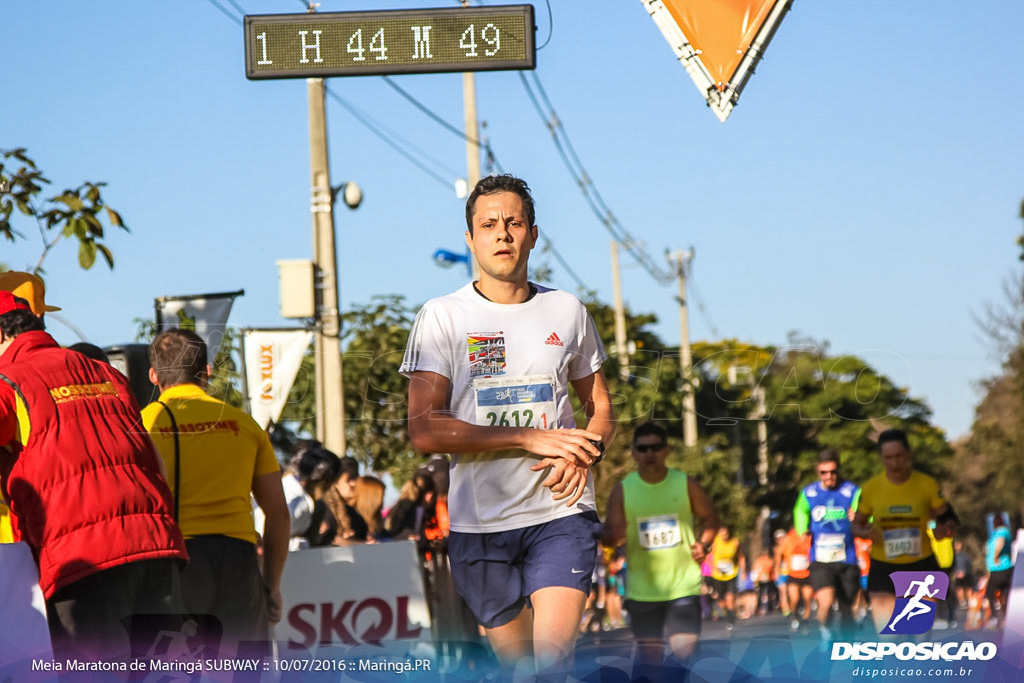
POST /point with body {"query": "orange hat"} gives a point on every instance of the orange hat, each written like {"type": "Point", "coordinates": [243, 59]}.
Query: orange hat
{"type": "Point", "coordinates": [29, 287]}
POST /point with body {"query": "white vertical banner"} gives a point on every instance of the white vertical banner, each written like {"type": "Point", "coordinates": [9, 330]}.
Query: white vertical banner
{"type": "Point", "coordinates": [272, 358]}
{"type": "Point", "coordinates": [204, 314]}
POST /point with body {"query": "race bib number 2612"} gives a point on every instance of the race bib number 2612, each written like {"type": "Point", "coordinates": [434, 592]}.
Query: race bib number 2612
{"type": "Point", "coordinates": [516, 401]}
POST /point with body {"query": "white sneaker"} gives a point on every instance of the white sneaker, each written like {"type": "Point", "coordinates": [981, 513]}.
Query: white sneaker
{"type": "Point", "coordinates": [940, 625]}
{"type": "Point", "coordinates": [794, 625]}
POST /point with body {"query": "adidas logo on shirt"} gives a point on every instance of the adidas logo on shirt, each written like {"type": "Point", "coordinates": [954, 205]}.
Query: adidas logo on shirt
{"type": "Point", "coordinates": [553, 340]}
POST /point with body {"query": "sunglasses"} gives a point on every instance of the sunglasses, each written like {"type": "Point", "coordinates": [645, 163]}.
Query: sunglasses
{"type": "Point", "coordinates": [825, 473]}
{"type": "Point", "coordinates": [648, 447]}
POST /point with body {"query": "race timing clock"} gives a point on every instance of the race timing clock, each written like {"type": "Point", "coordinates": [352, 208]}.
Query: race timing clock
{"type": "Point", "coordinates": [317, 45]}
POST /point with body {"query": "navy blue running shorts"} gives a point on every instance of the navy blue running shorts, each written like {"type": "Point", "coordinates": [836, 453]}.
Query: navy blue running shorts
{"type": "Point", "coordinates": [496, 573]}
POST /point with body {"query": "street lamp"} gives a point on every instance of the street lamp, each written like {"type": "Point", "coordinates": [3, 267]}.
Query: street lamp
{"type": "Point", "coordinates": [447, 259]}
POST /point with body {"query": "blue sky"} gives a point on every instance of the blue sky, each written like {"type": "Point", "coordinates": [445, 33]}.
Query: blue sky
{"type": "Point", "coordinates": [864, 191]}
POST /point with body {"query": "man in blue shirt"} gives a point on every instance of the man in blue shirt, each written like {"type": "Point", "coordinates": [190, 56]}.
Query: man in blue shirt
{"type": "Point", "coordinates": [825, 510]}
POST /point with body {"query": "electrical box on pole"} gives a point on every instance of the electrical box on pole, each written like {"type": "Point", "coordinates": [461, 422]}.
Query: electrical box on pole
{"type": "Point", "coordinates": [406, 41]}
{"type": "Point", "coordinates": [297, 288]}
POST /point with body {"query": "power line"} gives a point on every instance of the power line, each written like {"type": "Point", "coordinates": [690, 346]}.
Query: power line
{"type": "Point", "coordinates": [593, 196]}
{"type": "Point", "coordinates": [558, 257]}
{"type": "Point", "coordinates": [702, 307]}
{"type": "Point", "coordinates": [237, 7]}
{"type": "Point", "coordinates": [366, 121]}
{"type": "Point", "coordinates": [225, 12]}
{"type": "Point", "coordinates": [451, 128]}
{"type": "Point", "coordinates": [590, 192]}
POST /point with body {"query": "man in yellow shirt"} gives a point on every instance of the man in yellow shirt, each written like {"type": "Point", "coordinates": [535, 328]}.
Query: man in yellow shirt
{"type": "Point", "coordinates": [215, 456]}
{"type": "Point", "coordinates": [894, 511]}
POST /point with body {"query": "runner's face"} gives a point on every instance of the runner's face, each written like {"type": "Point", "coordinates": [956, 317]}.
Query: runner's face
{"type": "Point", "coordinates": [502, 238]}
{"type": "Point", "coordinates": [650, 451]}
{"type": "Point", "coordinates": [895, 458]}
{"type": "Point", "coordinates": [828, 474]}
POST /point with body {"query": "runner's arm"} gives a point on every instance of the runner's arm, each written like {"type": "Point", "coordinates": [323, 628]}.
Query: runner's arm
{"type": "Point", "coordinates": [862, 526]}
{"type": "Point", "coordinates": [801, 514]}
{"type": "Point", "coordinates": [614, 533]}
{"type": "Point", "coordinates": [269, 495]}
{"type": "Point", "coordinates": [433, 428]}
{"type": "Point", "coordinates": [946, 521]}
{"type": "Point", "coordinates": [703, 510]}
{"type": "Point", "coordinates": [592, 392]}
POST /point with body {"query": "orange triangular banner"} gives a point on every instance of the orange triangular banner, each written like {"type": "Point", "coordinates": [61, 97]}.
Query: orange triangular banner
{"type": "Point", "coordinates": [718, 41]}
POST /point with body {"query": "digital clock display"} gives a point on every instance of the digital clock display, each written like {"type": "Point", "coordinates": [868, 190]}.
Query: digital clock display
{"type": "Point", "coordinates": [389, 42]}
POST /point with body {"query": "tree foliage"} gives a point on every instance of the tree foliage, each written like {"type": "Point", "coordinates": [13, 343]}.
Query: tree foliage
{"type": "Point", "coordinates": [78, 213]}
{"type": "Point", "coordinates": [989, 466]}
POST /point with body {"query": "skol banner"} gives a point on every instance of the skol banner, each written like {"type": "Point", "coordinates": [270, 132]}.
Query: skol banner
{"type": "Point", "coordinates": [204, 314]}
{"type": "Point", "coordinates": [272, 359]}
{"type": "Point", "coordinates": [355, 595]}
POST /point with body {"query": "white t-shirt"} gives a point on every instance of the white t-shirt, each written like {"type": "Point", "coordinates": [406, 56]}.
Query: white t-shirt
{"type": "Point", "coordinates": [509, 365]}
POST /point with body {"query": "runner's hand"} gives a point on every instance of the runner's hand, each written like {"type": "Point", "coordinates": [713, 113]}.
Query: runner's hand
{"type": "Point", "coordinates": [274, 602]}
{"type": "Point", "coordinates": [572, 445]}
{"type": "Point", "coordinates": [697, 551]}
{"type": "Point", "coordinates": [566, 479]}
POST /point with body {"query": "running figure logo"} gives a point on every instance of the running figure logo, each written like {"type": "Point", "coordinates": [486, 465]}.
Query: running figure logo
{"type": "Point", "coordinates": [914, 612]}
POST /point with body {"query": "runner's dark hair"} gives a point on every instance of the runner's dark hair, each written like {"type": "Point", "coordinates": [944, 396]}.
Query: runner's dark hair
{"type": "Point", "coordinates": [650, 429]}
{"type": "Point", "coordinates": [897, 435]}
{"type": "Point", "coordinates": [829, 455]}
{"type": "Point", "coordinates": [13, 323]}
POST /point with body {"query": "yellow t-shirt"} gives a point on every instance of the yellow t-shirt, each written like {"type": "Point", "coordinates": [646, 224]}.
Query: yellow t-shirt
{"type": "Point", "coordinates": [222, 451]}
{"type": "Point", "coordinates": [901, 512]}
{"type": "Point", "coordinates": [723, 559]}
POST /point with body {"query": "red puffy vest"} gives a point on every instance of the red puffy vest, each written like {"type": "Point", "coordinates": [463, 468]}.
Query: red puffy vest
{"type": "Point", "coordinates": [86, 487]}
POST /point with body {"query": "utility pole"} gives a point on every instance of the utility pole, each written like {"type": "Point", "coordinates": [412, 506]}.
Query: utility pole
{"type": "Point", "coordinates": [621, 346]}
{"type": "Point", "coordinates": [330, 404]}
{"type": "Point", "coordinates": [681, 260]}
{"type": "Point", "coordinates": [760, 413]}
{"type": "Point", "coordinates": [472, 139]}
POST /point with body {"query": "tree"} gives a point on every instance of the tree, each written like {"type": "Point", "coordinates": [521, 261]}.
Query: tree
{"type": "Point", "coordinates": [75, 212]}
{"type": "Point", "coordinates": [375, 337]}
{"type": "Point", "coordinates": [988, 463]}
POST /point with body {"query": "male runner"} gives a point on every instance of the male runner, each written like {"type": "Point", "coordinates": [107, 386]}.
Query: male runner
{"type": "Point", "coordinates": [654, 510]}
{"type": "Point", "coordinates": [894, 510]}
{"type": "Point", "coordinates": [824, 510]}
{"type": "Point", "coordinates": [490, 367]}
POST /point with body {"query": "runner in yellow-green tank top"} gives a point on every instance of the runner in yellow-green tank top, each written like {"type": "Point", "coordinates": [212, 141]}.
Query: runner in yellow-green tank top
{"type": "Point", "coordinates": [657, 512]}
